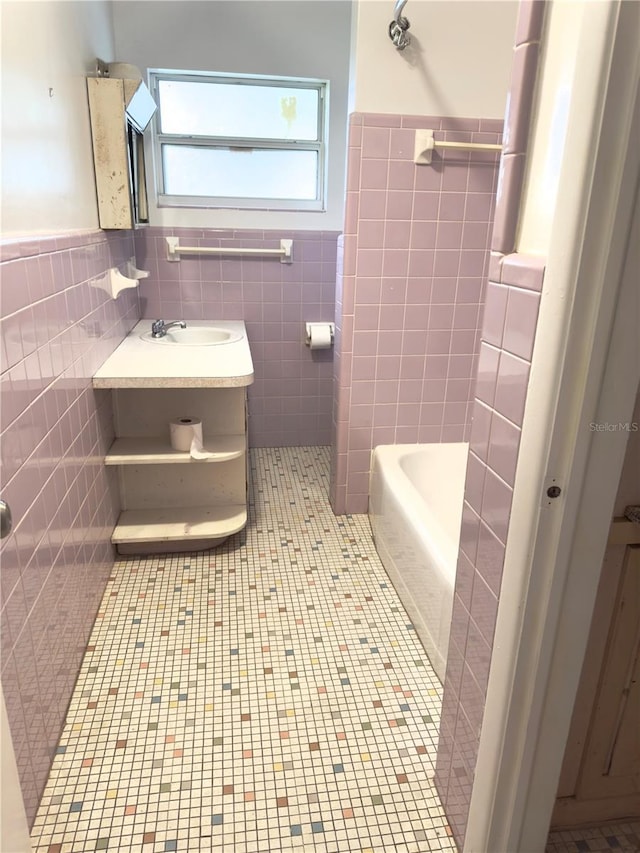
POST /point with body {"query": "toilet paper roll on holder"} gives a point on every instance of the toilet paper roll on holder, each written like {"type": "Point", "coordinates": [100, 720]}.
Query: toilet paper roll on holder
{"type": "Point", "coordinates": [308, 328]}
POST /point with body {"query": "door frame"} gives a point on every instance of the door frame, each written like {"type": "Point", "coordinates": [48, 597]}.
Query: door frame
{"type": "Point", "coordinates": [585, 370]}
{"type": "Point", "coordinates": [14, 829]}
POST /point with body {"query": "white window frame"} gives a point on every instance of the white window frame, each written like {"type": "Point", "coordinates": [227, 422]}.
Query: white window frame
{"type": "Point", "coordinates": [319, 145]}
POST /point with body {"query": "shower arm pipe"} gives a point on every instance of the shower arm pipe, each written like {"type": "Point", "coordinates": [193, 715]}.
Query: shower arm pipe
{"type": "Point", "coordinates": [399, 26]}
{"type": "Point", "coordinates": [174, 250]}
{"type": "Point", "coordinates": [397, 11]}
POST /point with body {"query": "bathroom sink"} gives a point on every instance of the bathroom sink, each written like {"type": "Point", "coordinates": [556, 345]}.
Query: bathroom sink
{"type": "Point", "coordinates": [194, 336]}
{"type": "Point", "coordinates": [206, 354]}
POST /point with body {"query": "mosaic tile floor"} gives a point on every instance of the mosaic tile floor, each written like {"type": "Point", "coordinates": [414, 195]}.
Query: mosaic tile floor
{"type": "Point", "coordinates": [620, 837]}
{"type": "Point", "coordinates": [267, 696]}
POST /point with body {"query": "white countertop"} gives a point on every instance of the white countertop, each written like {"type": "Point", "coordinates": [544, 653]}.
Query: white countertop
{"type": "Point", "coordinates": [143, 364]}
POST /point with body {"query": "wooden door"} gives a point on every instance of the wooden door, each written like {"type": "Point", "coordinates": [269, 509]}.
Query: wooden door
{"type": "Point", "coordinates": [600, 778]}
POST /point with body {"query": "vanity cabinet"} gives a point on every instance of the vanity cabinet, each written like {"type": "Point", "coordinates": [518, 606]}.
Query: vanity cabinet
{"type": "Point", "coordinates": [171, 502]}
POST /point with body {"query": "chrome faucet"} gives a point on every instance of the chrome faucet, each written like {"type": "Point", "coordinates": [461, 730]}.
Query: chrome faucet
{"type": "Point", "coordinates": [159, 328]}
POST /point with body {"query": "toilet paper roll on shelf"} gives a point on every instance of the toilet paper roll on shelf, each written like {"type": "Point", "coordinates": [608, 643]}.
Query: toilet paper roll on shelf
{"type": "Point", "coordinates": [186, 437]}
{"type": "Point", "coordinates": [319, 335]}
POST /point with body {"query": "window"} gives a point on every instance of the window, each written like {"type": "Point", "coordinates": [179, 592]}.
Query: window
{"type": "Point", "coordinates": [239, 141]}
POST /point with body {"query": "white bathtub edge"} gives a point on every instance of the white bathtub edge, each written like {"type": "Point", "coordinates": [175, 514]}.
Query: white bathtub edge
{"type": "Point", "coordinates": [418, 554]}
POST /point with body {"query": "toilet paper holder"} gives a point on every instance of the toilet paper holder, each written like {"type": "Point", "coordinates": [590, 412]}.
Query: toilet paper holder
{"type": "Point", "coordinates": [309, 326]}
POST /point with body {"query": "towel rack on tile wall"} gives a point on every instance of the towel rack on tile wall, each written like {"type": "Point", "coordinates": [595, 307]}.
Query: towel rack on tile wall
{"type": "Point", "coordinates": [174, 250]}
{"type": "Point", "coordinates": [425, 143]}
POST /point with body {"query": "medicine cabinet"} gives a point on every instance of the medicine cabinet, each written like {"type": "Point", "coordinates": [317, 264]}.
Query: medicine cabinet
{"type": "Point", "coordinates": [120, 110]}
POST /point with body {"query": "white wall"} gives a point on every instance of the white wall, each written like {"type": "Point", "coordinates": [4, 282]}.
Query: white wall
{"type": "Point", "coordinates": [47, 168]}
{"type": "Point", "coordinates": [458, 62]}
{"type": "Point", "coordinates": [296, 38]}
{"type": "Point", "coordinates": [458, 65]}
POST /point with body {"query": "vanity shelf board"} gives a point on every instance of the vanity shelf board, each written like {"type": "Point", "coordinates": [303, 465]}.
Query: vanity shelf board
{"type": "Point", "coordinates": [154, 451]}
{"type": "Point", "coordinates": [179, 524]}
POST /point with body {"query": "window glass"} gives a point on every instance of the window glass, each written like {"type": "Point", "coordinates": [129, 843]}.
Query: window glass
{"type": "Point", "coordinates": [243, 142]}
{"type": "Point", "coordinates": [238, 110]}
{"type": "Point", "coordinates": [239, 173]}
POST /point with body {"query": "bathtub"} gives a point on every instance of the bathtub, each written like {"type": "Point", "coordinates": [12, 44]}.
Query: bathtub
{"type": "Point", "coordinates": [415, 510]}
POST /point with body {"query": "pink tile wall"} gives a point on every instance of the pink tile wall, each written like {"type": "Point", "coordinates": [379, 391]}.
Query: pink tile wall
{"type": "Point", "coordinates": [517, 121]}
{"type": "Point", "coordinates": [508, 334]}
{"type": "Point", "coordinates": [57, 329]}
{"type": "Point", "coordinates": [411, 292]}
{"type": "Point", "coordinates": [290, 401]}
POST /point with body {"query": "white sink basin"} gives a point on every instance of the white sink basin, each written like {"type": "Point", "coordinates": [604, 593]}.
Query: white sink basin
{"type": "Point", "coordinates": [207, 354]}
{"type": "Point", "coordinates": [194, 336]}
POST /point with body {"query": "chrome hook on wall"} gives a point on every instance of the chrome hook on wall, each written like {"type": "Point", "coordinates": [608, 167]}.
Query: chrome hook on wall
{"type": "Point", "coordinates": [399, 26]}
